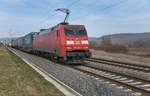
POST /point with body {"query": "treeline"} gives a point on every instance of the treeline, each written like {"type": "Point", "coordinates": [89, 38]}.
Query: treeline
{"type": "Point", "coordinates": [108, 46]}
{"type": "Point", "coordinates": [139, 43]}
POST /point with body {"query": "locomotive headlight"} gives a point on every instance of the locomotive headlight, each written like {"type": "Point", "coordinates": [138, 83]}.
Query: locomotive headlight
{"type": "Point", "coordinates": [68, 42]}
{"type": "Point", "coordinates": [69, 48]}
{"type": "Point", "coordinates": [86, 47]}
{"type": "Point", "coordinates": [85, 42]}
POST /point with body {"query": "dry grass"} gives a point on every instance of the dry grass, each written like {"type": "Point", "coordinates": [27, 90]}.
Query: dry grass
{"type": "Point", "coordinates": [144, 52]}
{"type": "Point", "coordinates": [109, 47]}
{"type": "Point", "coordinates": [18, 79]}
{"type": "Point", "coordinates": [113, 48]}
{"type": "Point", "coordinates": [120, 57]}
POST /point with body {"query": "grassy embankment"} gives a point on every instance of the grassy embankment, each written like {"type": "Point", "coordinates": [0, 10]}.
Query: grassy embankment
{"type": "Point", "coordinates": [18, 79]}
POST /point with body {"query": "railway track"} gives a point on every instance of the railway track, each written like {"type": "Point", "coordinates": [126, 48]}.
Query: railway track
{"type": "Point", "coordinates": [130, 84]}
{"type": "Point", "coordinates": [137, 86]}
{"type": "Point", "coordinates": [137, 67]}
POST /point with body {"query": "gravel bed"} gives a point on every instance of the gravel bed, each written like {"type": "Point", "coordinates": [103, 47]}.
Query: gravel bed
{"type": "Point", "coordinates": [126, 71]}
{"type": "Point", "coordinates": [84, 84]}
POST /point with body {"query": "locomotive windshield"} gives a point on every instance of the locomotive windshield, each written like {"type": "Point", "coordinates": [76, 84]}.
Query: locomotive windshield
{"type": "Point", "coordinates": [75, 32]}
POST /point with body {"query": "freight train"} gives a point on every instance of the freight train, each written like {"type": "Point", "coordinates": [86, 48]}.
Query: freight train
{"type": "Point", "coordinates": [62, 42]}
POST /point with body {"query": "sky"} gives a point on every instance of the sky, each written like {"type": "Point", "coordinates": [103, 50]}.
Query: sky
{"type": "Point", "coordinates": [101, 17]}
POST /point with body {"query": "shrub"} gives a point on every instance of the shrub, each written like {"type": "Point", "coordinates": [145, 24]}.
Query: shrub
{"type": "Point", "coordinates": [93, 44]}
{"type": "Point", "coordinates": [107, 46]}
{"type": "Point", "coordinates": [113, 48]}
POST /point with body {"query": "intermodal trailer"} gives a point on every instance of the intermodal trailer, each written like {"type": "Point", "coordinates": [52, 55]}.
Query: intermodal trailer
{"type": "Point", "coordinates": [28, 41]}
{"type": "Point", "coordinates": [17, 43]}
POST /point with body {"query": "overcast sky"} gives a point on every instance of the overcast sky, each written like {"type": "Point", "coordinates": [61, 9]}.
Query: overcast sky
{"type": "Point", "coordinates": [101, 17]}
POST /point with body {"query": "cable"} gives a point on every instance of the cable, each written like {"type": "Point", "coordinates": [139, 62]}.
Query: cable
{"type": "Point", "coordinates": [113, 5]}
{"type": "Point", "coordinates": [45, 19]}
{"type": "Point", "coordinates": [107, 7]}
{"type": "Point", "coordinates": [68, 6]}
{"type": "Point", "coordinates": [72, 4]}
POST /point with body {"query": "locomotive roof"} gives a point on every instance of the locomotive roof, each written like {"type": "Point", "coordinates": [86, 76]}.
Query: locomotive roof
{"type": "Point", "coordinates": [43, 31]}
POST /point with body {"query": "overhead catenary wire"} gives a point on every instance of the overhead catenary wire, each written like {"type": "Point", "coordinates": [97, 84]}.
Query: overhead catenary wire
{"type": "Point", "coordinates": [69, 6]}
{"type": "Point", "coordinates": [47, 16]}
{"type": "Point", "coordinates": [105, 8]}
{"type": "Point", "coordinates": [72, 4]}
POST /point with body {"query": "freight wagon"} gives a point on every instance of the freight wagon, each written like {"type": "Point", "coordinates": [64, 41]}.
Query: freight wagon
{"type": "Point", "coordinates": [28, 42]}
{"type": "Point", "coordinates": [17, 43]}
{"type": "Point", "coordinates": [24, 43]}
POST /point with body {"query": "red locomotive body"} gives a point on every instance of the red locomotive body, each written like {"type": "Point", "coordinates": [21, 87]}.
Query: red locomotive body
{"type": "Point", "coordinates": [64, 41]}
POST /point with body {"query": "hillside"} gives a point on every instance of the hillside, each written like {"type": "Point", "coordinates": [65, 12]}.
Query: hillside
{"type": "Point", "coordinates": [132, 40]}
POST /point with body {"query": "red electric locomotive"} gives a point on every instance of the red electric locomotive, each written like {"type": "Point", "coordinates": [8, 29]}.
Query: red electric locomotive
{"type": "Point", "coordinates": [64, 42]}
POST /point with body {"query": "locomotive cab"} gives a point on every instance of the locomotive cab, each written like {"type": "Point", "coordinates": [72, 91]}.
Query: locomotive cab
{"type": "Point", "coordinates": [76, 43]}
